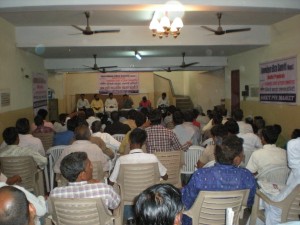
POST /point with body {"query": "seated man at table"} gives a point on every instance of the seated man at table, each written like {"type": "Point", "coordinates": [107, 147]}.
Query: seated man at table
{"type": "Point", "coordinates": [78, 169]}
{"type": "Point", "coordinates": [225, 175]}
{"type": "Point", "coordinates": [136, 156]}
{"type": "Point", "coordinates": [111, 103]}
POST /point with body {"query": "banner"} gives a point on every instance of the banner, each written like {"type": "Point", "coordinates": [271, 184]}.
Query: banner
{"type": "Point", "coordinates": [121, 83]}
{"type": "Point", "coordinates": [278, 81]}
{"type": "Point", "coordinates": [39, 91]}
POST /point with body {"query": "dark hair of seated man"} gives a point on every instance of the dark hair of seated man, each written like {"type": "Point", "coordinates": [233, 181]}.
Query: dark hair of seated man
{"type": "Point", "coordinates": [230, 151]}
{"type": "Point", "coordinates": [10, 136]}
{"type": "Point", "coordinates": [159, 204]}
{"type": "Point", "coordinates": [15, 208]}
{"type": "Point", "coordinates": [74, 164]}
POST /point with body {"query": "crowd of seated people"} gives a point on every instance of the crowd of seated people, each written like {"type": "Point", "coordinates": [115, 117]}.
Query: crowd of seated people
{"type": "Point", "coordinates": [89, 136]}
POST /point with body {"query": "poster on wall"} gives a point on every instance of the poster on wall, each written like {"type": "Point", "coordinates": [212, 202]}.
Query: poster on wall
{"type": "Point", "coordinates": [120, 83]}
{"type": "Point", "coordinates": [39, 91]}
{"type": "Point", "coordinates": [278, 80]}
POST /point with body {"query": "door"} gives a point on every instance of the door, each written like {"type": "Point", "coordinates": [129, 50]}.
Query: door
{"type": "Point", "coordinates": [235, 90]}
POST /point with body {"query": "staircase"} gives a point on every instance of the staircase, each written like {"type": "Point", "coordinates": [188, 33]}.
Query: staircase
{"type": "Point", "coordinates": [184, 103]}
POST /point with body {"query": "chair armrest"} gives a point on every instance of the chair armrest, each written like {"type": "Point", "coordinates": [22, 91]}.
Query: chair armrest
{"type": "Point", "coordinates": [268, 200]}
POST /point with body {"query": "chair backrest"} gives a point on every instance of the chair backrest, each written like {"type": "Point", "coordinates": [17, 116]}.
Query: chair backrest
{"type": "Point", "coordinates": [25, 167]}
{"type": "Point", "coordinates": [53, 154]}
{"type": "Point", "coordinates": [191, 157]}
{"type": "Point", "coordinates": [98, 170]}
{"type": "Point", "coordinates": [208, 141]}
{"type": "Point", "coordinates": [134, 178]}
{"type": "Point", "coordinates": [70, 211]}
{"type": "Point", "coordinates": [210, 206]}
{"type": "Point", "coordinates": [290, 206]}
{"type": "Point", "coordinates": [172, 161]}
{"type": "Point", "coordinates": [119, 137]}
{"type": "Point", "coordinates": [274, 174]}
{"type": "Point", "coordinates": [46, 138]}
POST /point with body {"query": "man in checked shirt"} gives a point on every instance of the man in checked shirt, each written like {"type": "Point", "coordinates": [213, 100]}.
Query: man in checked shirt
{"type": "Point", "coordinates": [161, 139]}
{"type": "Point", "coordinates": [78, 170]}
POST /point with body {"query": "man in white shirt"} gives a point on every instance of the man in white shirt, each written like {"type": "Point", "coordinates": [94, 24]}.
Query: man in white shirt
{"type": "Point", "coordinates": [25, 138]}
{"type": "Point", "coordinates": [10, 136]}
{"type": "Point", "coordinates": [82, 143]}
{"type": "Point", "coordinates": [136, 156]}
{"type": "Point", "coordinates": [82, 103]}
{"type": "Point", "coordinates": [243, 127]}
{"type": "Point", "coordinates": [106, 137]}
{"type": "Point", "coordinates": [163, 101]}
{"type": "Point", "coordinates": [111, 103]}
{"type": "Point", "coordinates": [269, 154]}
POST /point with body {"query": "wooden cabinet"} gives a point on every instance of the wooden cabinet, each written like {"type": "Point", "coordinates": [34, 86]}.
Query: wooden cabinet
{"type": "Point", "coordinates": [53, 109]}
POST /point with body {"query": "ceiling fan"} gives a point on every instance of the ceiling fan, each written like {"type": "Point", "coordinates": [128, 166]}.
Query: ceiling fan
{"type": "Point", "coordinates": [102, 69]}
{"type": "Point", "coordinates": [182, 65]}
{"type": "Point", "coordinates": [220, 31]}
{"type": "Point", "coordinates": [89, 31]}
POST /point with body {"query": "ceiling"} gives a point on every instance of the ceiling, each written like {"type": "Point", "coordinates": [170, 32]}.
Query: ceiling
{"type": "Point", "coordinates": [44, 28]}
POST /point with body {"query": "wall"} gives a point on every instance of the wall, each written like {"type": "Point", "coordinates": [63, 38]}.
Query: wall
{"type": "Point", "coordinates": [205, 88]}
{"type": "Point", "coordinates": [285, 42]}
{"type": "Point", "coordinates": [12, 78]}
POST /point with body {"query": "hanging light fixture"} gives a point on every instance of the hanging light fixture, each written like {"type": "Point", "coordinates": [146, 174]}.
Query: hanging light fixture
{"type": "Point", "coordinates": [161, 24]}
{"type": "Point", "coordinates": [165, 27]}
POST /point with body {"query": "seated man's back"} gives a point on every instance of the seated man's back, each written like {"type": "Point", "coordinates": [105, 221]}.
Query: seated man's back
{"type": "Point", "coordinates": [78, 169]}
{"type": "Point", "coordinates": [224, 176]}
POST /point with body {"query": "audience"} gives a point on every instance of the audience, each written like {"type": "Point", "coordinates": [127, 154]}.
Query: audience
{"type": "Point", "coordinates": [225, 175]}
{"type": "Point", "coordinates": [117, 127]}
{"type": "Point", "coordinates": [19, 207]}
{"type": "Point", "coordinates": [60, 126]}
{"type": "Point", "coordinates": [40, 126]}
{"type": "Point", "coordinates": [130, 119]}
{"type": "Point", "coordinates": [66, 137]}
{"type": "Point", "coordinates": [270, 154]}
{"type": "Point", "coordinates": [78, 169]}
{"type": "Point", "coordinates": [136, 155]}
{"type": "Point", "coordinates": [244, 128]}
{"type": "Point", "coordinates": [82, 143]}
{"type": "Point", "coordinates": [218, 132]}
{"type": "Point", "coordinates": [160, 138]}
{"type": "Point", "coordinates": [90, 116]}
{"type": "Point", "coordinates": [11, 137]}
{"type": "Point", "coordinates": [109, 140]}
{"type": "Point", "coordinates": [42, 113]}
{"type": "Point", "coordinates": [159, 205]}
{"type": "Point", "coordinates": [186, 131]}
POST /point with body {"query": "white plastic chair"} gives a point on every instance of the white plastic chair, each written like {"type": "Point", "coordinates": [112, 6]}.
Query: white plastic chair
{"type": "Point", "coordinates": [208, 141]}
{"type": "Point", "coordinates": [53, 154]}
{"type": "Point", "coordinates": [191, 157]}
{"type": "Point", "coordinates": [119, 137]}
{"type": "Point", "coordinates": [274, 174]}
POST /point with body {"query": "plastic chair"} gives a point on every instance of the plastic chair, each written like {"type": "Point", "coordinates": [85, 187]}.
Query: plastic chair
{"type": "Point", "coordinates": [208, 141]}
{"type": "Point", "coordinates": [210, 206]}
{"type": "Point", "coordinates": [119, 137]}
{"type": "Point", "coordinates": [289, 206]}
{"type": "Point", "coordinates": [135, 178]}
{"type": "Point", "coordinates": [72, 211]}
{"type": "Point", "coordinates": [26, 168]}
{"type": "Point", "coordinates": [274, 174]}
{"type": "Point", "coordinates": [191, 157]}
{"type": "Point", "coordinates": [98, 173]}
{"type": "Point", "coordinates": [171, 160]}
{"type": "Point", "coordinates": [53, 154]}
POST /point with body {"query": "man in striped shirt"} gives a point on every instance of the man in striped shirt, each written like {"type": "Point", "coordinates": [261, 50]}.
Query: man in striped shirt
{"type": "Point", "coordinates": [78, 170]}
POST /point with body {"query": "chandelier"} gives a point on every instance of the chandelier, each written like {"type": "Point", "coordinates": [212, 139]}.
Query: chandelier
{"type": "Point", "coordinates": [164, 27]}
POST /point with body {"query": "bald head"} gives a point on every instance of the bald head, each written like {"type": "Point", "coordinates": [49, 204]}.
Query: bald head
{"type": "Point", "coordinates": [82, 132]}
{"type": "Point", "coordinates": [14, 207]}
